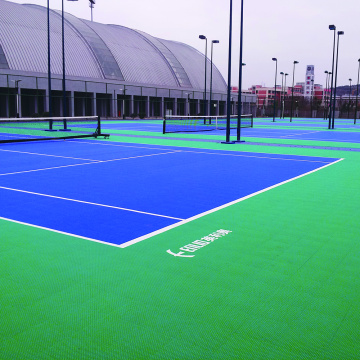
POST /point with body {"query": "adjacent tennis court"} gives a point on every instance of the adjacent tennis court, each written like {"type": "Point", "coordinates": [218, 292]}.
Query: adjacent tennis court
{"type": "Point", "coordinates": [117, 193]}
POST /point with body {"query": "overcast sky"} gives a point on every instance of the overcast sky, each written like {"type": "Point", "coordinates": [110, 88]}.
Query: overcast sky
{"type": "Point", "coordinates": [286, 29]}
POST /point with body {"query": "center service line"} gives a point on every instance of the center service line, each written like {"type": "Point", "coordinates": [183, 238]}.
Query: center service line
{"type": "Point", "coordinates": [90, 163]}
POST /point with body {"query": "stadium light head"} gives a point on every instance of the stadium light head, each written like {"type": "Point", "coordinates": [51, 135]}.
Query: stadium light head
{"type": "Point", "coordinates": [243, 64]}
{"type": "Point", "coordinates": [350, 79]}
{"type": "Point", "coordinates": [332, 27]}
{"type": "Point", "coordinates": [296, 62]}
{"type": "Point", "coordinates": [274, 59]}
{"type": "Point", "coordinates": [286, 74]}
{"type": "Point", "coordinates": [202, 37]}
{"type": "Point", "coordinates": [215, 41]}
{"type": "Point", "coordinates": [281, 73]}
{"type": "Point", "coordinates": [340, 33]}
{"type": "Point", "coordinates": [326, 72]}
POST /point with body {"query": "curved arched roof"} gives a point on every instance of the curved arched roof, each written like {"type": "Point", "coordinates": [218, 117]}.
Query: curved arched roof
{"type": "Point", "coordinates": [99, 51]}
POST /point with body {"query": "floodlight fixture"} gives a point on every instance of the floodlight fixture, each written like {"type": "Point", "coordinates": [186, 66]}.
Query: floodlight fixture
{"type": "Point", "coordinates": [275, 59]}
{"type": "Point", "coordinates": [211, 72]}
{"type": "Point", "coordinates": [292, 91]}
{"type": "Point", "coordinates": [203, 37]}
{"type": "Point", "coordinates": [331, 104]}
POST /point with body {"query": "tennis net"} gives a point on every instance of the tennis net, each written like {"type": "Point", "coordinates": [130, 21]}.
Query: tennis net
{"type": "Point", "coordinates": [173, 124]}
{"type": "Point", "coordinates": [56, 128]}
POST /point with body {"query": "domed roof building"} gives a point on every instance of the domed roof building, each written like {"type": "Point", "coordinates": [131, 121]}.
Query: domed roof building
{"type": "Point", "coordinates": [110, 70]}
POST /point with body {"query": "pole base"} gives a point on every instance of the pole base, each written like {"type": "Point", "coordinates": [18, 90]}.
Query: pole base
{"type": "Point", "coordinates": [64, 129]}
{"type": "Point", "coordinates": [227, 142]}
{"type": "Point", "coordinates": [52, 130]}
{"type": "Point", "coordinates": [239, 141]}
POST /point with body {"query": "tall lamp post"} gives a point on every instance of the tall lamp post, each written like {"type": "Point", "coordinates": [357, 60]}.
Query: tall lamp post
{"type": "Point", "coordinates": [357, 93]}
{"type": "Point", "coordinates": [349, 99]}
{"type": "Point", "coordinates": [49, 70]}
{"type": "Point", "coordinates": [49, 66]}
{"type": "Point", "coordinates": [333, 28]}
{"type": "Point", "coordinates": [17, 97]}
{"type": "Point", "coordinates": [211, 73]}
{"type": "Point", "coordinates": [292, 91]}
{"type": "Point", "coordinates": [312, 96]}
{"type": "Point", "coordinates": [228, 105]}
{"type": "Point", "coordinates": [325, 92]}
{"type": "Point", "coordinates": [203, 37]}
{"type": "Point", "coordinates": [336, 69]}
{"type": "Point", "coordinates": [286, 74]}
{"type": "Point", "coordinates": [123, 102]}
{"type": "Point", "coordinates": [91, 4]}
{"type": "Point", "coordinates": [275, 59]}
{"type": "Point", "coordinates": [238, 130]}
{"type": "Point", "coordinates": [63, 59]}
{"type": "Point", "coordinates": [281, 93]}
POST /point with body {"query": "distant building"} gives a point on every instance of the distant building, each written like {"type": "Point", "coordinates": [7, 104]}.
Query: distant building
{"type": "Point", "coordinates": [309, 81]}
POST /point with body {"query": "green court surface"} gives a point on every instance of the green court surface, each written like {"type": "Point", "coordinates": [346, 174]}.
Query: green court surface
{"type": "Point", "coordinates": [284, 283]}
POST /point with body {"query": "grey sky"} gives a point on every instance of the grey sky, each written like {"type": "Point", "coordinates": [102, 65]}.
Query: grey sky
{"type": "Point", "coordinates": [286, 29]}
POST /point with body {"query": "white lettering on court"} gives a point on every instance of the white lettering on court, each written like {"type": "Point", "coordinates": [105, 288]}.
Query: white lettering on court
{"type": "Point", "coordinates": [199, 244]}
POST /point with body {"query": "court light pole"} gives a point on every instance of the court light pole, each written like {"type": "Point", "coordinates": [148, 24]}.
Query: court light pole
{"type": "Point", "coordinates": [275, 59]}
{"type": "Point", "coordinates": [91, 4]}
{"type": "Point", "coordinates": [228, 105]}
{"type": "Point", "coordinates": [124, 96]}
{"type": "Point", "coordinates": [349, 99]}
{"type": "Point", "coordinates": [333, 28]}
{"type": "Point", "coordinates": [211, 73]}
{"type": "Point", "coordinates": [188, 99]}
{"type": "Point", "coordinates": [325, 92]}
{"type": "Point", "coordinates": [336, 70]}
{"type": "Point", "coordinates": [238, 130]}
{"type": "Point", "coordinates": [286, 74]}
{"type": "Point", "coordinates": [203, 37]}
{"type": "Point", "coordinates": [16, 83]}
{"type": "Point", "coordinates": [281, 93]}
{"type": "Point", "coordinates": [49, 66]}
{"type": "Point", "coordinates": [357, 93]}
{"type": "Point", "coordinates": [292, 91]}
{"type": "Point", "coordinates": [312, 96]}
{"type": "Point", "coordinates": [63, 60]}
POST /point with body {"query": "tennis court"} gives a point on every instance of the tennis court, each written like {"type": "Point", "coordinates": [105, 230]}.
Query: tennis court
{"type": "Point", "coordinates": [202, 250]}
{"type": "Point", "coordinates": [116, 193]}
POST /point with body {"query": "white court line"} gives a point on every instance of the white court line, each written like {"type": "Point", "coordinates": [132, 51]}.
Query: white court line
{"type": "Point", "coordinates": [262, 157]}
{"type": "Point", "coordinates": [58, 156]}
{"type": "Point", "coordinates": [90, 163]}
{"type": "Point", "coordinates": [91, 203]}
{"type": "Point", "coordinates": [57, 231]}
{"type": "Point", "coordinates": [309, 132]}
{"type": "Point", "coordinates": [238, 154]}
{"type": "Point", "coordinates": [141, 238]}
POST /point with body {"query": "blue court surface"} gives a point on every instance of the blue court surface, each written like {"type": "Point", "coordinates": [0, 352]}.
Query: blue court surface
{"type": "Point", "coordinates": [118, 192]}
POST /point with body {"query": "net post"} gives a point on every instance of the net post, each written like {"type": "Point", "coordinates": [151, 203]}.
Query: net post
{"type": "Point", "coordinates": [50, 125]}
{"type": "Point", "coordinates": [99, 125]}
{"type": "Point", "coordinates": [164, 125]}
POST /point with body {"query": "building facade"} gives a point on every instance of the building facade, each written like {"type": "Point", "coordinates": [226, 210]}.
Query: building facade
{"type": "Point", "coordinates": [110, 70]}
